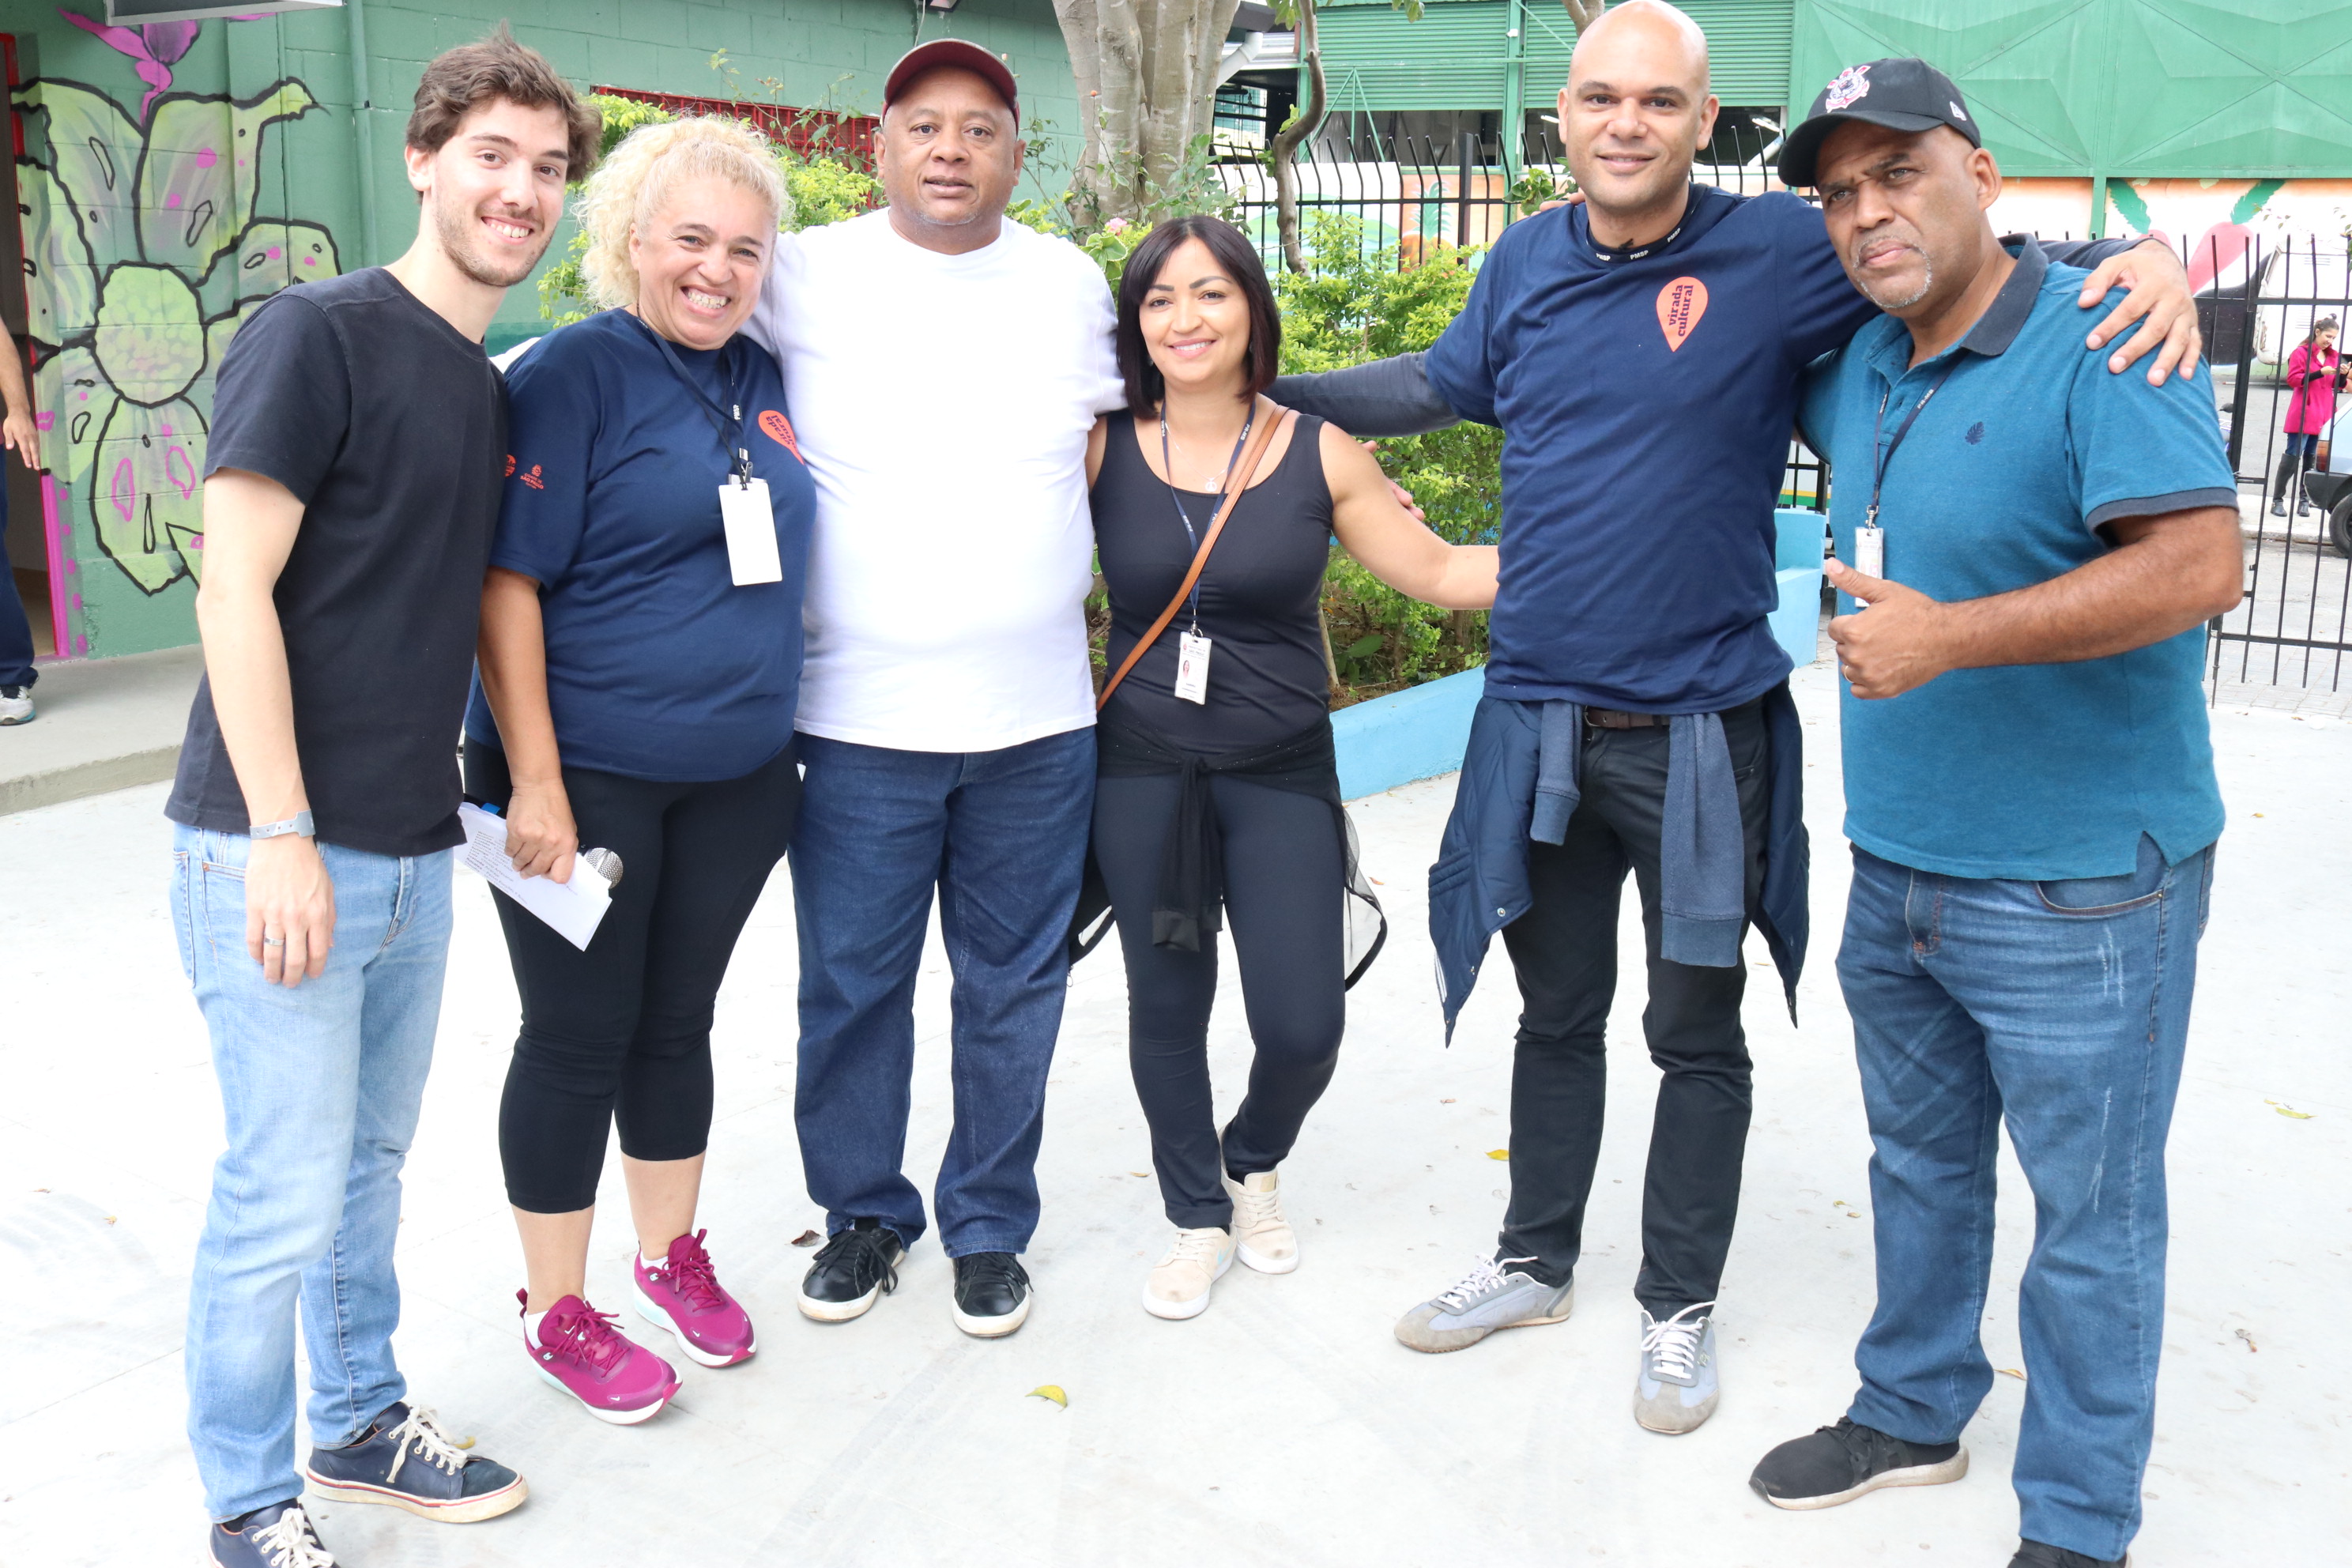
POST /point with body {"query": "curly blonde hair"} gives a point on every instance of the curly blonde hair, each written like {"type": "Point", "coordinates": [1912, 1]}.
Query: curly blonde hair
{"type": "Point", "coordinates": [637, 177]}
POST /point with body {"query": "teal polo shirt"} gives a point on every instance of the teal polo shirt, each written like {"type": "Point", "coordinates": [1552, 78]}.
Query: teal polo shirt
{"type": "Point", "coordinates": [2036, 772]}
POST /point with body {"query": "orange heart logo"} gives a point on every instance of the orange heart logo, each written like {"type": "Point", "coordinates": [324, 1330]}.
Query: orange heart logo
{"type": "Point", "coordinates": [1681, 303]}
{"type": "Point", "coordinates": [780, 430]}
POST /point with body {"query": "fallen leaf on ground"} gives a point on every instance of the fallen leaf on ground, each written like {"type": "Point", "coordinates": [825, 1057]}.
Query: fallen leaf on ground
{"type": "Point", "coordinates": [807, 1238]}
{"type": "Point", "coordinates": [1052, 1390]}
{"type": "Point", "coordinates": [1446, 1102]}
{"type": "Point", "coordinates": [1498, 1153]}
{"type": "Point", "coordinates": [2285, 1109]}
{"type": "Point", "coordinates": [1138, 1173]}
{"type": "Point", "coordinates": [2250, 1346]}
{"type": "Point", "coordinates": [110, 1219]}
{"type": "Point", "coordinates": [466, 1442]}
{"type": "Point", "coordinates": [2012, 1372]}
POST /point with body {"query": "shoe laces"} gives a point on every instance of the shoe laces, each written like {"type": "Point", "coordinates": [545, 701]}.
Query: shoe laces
{"type": "Point", "coordinates": [1194, 1246]}
{"type": "Point", "coordinates": [584, 1334]}
{"type": "Point", "coordinates": [431, 1444]}
{"type": "Point", "coordinates": [288, 1541]}
{"type": "Point", "coordinates": [981, 1268]}
{"type": "Point", "coordinates": [1255, 1209]}
{"type": "Point", "coordinates": [866, 1251]}
{"type": "Point", "coordinates": [1672, 1346]}
{"type": "Point", "coordinates": [1484, 1276]}
{"type": "Point", "coordinates": [692, 1274]}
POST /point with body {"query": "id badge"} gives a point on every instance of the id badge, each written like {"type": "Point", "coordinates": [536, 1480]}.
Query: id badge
{"type": "Point", "coordinates": [1193, 668]}
{"type": "Point", "coordinates": [750, 533]}
{"type": "Point", "coordinates": [1870, 552]}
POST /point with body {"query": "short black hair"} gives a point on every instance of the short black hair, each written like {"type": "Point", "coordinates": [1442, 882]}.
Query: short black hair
{"type": "Point", "coordinates": [1261, 360]}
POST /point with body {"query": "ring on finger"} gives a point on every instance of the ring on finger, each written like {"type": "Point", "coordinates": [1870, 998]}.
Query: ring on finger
{"type": "Point", "coordinates": [273, 942]}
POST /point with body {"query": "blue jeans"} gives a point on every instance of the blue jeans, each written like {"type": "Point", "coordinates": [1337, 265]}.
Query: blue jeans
{"type": "Point", "coordinates": [2061, 1008]}
{"type": "Point", "coordinates": [321, 1085]}
{"type": "Point", "coordinates": [15, 631]}
{"type": "Point", "coordinates": [1003, 835]}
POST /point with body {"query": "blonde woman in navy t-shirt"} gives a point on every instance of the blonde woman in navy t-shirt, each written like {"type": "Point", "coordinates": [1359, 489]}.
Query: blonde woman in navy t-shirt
{"type": "Point", "coordinates": [638, 681]}
{"type": "Point", "coordinates": [1218, 798]}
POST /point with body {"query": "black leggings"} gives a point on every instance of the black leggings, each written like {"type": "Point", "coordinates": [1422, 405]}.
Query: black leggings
{"type": "Point", "coordinates": [1284, 873]}
{"type": "Point", "coordinates": [622, 1032]}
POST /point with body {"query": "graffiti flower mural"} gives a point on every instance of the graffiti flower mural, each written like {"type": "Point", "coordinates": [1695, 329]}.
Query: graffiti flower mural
{"type": "Point", "coordinates": [143, 252]}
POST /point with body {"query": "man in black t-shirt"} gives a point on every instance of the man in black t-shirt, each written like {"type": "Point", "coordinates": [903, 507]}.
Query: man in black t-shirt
{"type": "Point", "coordinates": [356, 455]}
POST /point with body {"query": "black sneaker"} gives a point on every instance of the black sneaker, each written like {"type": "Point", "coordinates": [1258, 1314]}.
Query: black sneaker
{"type": "Point", "coordinates": [407, 1461]}
{"type": "Point", "coordinates": [854, 1270]}
{"type": "Point", "coordinates": [992, 1294]}
{"type": "Point", "coordinates": [278, 1536]}
{"type": "Point", "coordinates": [1838, 1464]}
{"type": "Point", "coordinates": [2041, 1555]}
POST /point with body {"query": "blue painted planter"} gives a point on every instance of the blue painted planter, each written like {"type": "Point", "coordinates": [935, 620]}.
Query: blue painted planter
{"type": "Point", "coordinates": [1421, 733]}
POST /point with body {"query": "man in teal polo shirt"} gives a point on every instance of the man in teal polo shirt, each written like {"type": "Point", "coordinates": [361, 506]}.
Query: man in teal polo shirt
{"type": "Point", "coordinates": [2031, 796]}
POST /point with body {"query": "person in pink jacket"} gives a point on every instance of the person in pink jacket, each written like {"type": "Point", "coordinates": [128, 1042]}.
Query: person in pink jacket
{"type": "Point", "coordinates": [2313, 373]}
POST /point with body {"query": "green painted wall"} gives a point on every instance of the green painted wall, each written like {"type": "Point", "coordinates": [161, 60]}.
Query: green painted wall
{"type": "Point", "coordinates": [2118, 88]}
{"type": "Point", "coordinates": [1459, 56]}
{"type": "Point", "coordinates": [153, 216]}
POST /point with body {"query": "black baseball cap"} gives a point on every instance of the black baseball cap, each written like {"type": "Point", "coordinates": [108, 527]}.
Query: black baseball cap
{"type": "Point", "coordinates": [1902, 95]}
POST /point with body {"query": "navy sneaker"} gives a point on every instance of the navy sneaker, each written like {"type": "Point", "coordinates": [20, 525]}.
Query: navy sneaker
{"type": "Point", "coordinates": [278, 1536]}
{"type": "Point", "coordinates": [407, 1461]}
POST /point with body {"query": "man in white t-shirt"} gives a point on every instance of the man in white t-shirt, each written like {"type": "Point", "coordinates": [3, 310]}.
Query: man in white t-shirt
{"type": "Point", "coordinates": [942, 367]}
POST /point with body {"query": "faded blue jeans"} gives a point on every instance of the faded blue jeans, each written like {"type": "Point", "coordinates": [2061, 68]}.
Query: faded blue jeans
{"type": "Point", "coordinates": [1002, 836]}
{"type": "Point", "coordinates": [2061, 1008]}
{"type": "Point", "coordinates": [320, 1085]}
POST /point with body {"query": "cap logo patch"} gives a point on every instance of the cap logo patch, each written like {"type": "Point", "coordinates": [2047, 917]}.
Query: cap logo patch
{"type": "Point", "coordinates": [1852, 83]}
{"type": "Point", "coordinates": [1681, 303]}
{"type": "Point", "coordinates": [1957, 113]}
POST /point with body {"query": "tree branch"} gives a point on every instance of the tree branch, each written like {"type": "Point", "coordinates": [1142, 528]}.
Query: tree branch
{"type": "Point", "coordinates": [1284, 153]}
{"type": "Point", "coordinates": [1584, 13]}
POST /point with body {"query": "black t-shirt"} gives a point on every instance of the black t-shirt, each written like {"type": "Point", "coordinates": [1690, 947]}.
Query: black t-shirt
{"type": "Point", "coordinates": [1258, 596]}
{"type": "Point", "coordinates": [389, 426]}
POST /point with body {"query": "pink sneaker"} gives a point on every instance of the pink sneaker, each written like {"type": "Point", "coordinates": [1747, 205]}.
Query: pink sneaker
{"type": "Point", "coordinates": [683, 1296]}
{"type": "Point", "coordinates": [581, 1352]}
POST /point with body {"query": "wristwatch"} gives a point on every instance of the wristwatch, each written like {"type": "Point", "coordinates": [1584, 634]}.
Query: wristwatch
{"type": "Point", "coordinates": [298, 822]}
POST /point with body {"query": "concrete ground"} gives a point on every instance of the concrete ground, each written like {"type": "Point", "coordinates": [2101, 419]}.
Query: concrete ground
{"type": "Point", "coordinates": [1284, 1426]}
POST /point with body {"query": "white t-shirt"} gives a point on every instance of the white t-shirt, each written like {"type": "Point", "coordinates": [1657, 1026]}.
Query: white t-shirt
{"type": "Point", "coordinates": [942, 403]}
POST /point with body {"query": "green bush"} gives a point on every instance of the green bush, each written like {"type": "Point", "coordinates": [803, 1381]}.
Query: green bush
{"type": "Point", "coordinates": [1356, 306]}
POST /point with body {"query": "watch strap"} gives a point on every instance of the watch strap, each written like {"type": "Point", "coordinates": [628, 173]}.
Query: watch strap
{"type": "Point", "coordinates": [300, 823]}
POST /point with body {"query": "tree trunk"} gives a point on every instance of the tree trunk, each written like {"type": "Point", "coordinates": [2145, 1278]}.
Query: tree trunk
{"type": "Point", "coordinates": [1147, 81]}
{"type": "Point", "coordinates": [1282, 154]}
{"type": "Point", "coordinates": [1584, 13]}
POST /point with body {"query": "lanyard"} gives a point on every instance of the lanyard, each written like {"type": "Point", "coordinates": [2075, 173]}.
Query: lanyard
{"type": "Point", "coordinates": [1175, 495]}
{"type": "Point", "coordinates": [1885, 459]}
{"type": "Point", "coordinates": [727, 421]}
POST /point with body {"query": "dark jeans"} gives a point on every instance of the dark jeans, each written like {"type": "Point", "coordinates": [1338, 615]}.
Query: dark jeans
{"type": "Point", "coordinates": [1285, 870]}
{"type": "Point", "coordinates": [1565, 951]}
{"type": "Point", "coordinates": [15, 631]}
{"type": "Point", "coordinates": [622, 1032]}
{"type": "Point", "coordinates": [1002, 836]}
{"type": "Point", "coordinates": [2061, 1010]}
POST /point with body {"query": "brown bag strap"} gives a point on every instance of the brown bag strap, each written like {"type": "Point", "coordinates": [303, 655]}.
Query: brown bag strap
{"type": "Point", "coordinates": [1247, 469]}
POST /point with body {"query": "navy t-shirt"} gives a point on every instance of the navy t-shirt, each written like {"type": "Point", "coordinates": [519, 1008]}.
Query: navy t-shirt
{"type": "Point", "coordinates": [1648, 396]}
{"type": "Point", "coordinates": [658, 667]}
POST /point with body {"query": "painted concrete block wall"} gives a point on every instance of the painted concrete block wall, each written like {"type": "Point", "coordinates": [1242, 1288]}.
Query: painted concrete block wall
{"type": "Point", "coordinates": [157, 215]}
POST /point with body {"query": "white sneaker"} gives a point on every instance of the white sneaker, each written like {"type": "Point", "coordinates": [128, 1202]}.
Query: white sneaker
{"type": "Point", "coordinates": [1261, 1237]}
{"type": "Point", "coordinates": [16, 704]}
{"type": "Point", "coordinates": [1179, 1284]}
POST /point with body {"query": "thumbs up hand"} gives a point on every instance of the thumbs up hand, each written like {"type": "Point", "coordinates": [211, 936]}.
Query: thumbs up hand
{"type": "Point", "coordinates": [1899, 644]}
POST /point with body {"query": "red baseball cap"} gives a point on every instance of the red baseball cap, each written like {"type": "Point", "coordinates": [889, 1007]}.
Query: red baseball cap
{"type": "Point", "coordinates": [954, 52]}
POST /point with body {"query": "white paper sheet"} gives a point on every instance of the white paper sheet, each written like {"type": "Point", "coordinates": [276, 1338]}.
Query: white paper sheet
{"type": "Point", "coordinates": [574, 907]}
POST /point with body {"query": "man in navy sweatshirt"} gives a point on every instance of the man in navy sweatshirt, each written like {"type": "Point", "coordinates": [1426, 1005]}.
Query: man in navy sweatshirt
{"type": "Point", "coordinates": [1637, 715]}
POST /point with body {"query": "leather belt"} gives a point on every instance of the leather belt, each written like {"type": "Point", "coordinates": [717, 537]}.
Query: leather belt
{"type": "Point", "coordinates": [1614, 719]}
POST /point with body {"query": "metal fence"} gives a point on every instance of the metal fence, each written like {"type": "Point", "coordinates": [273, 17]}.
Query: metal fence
{"type": "Point", "coordinates": [2258, 301]}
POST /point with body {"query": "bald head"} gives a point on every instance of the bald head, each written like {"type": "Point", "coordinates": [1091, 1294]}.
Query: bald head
{"type": "Point", "coordinates": [1634, 115]}
{"type": "Point", "coordinates": [1657, 29]}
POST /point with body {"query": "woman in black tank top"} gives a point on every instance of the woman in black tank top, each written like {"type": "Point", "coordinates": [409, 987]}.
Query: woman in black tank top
{"type": "Point", "coordinates": [1217, 793]}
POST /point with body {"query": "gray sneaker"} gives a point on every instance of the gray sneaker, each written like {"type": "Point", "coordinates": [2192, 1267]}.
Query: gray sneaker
{"type": "Point", "coordinates": [1677, 1389]}
{"type": "Point", "coordinates": [1487, 1298]}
